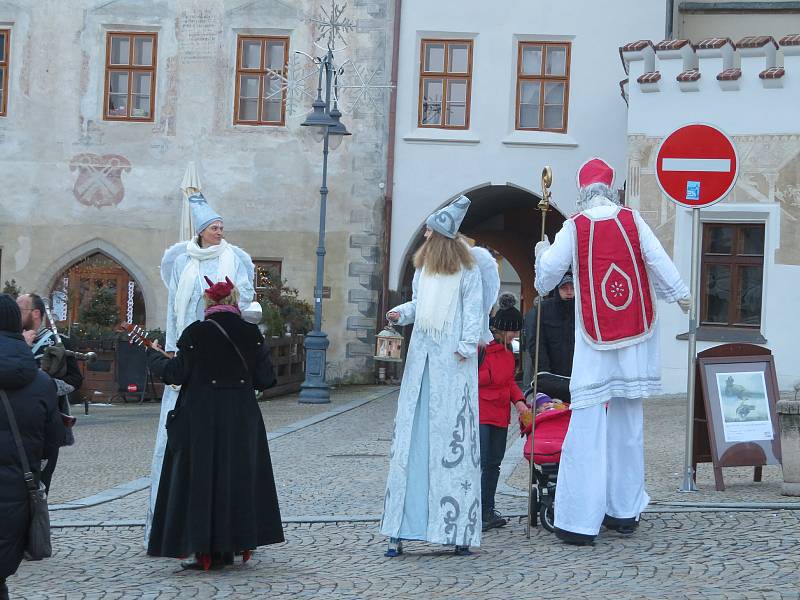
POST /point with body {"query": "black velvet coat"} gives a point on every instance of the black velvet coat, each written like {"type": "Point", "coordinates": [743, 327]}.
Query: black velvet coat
{"type": "Point", "coordinates": [217, 491]}
{"type": "Point", "coordinates": [32, 396]}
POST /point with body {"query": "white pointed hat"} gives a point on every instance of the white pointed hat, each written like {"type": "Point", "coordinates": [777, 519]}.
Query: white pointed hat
{"type": "Point", "coordinates": [448, 219]}
{"type": "Point", "coordinates": [202, 214]}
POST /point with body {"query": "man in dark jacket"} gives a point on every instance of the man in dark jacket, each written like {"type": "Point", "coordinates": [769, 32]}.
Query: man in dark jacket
{"type": "Point", "coordinates": [557, 331]}
{"type": "Point", "coordinates": [32, 396]}
{"type": "Point", "coordinates": [39, 337]}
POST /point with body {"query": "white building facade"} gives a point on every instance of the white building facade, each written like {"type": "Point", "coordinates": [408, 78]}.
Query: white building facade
{"type": "Point", "coordinates": [750, 265]}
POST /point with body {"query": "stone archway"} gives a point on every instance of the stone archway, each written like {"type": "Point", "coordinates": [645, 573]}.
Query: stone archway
{"type": "Point", "coordinates": [504, 218]}
{"type": "Point", "coordinates": [99, 263]}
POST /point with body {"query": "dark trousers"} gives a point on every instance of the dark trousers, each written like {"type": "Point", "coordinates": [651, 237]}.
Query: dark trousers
{"type": "Point", "coordinates": [493, 448]}
{"type": "Point", "coordinates": [47, 472]}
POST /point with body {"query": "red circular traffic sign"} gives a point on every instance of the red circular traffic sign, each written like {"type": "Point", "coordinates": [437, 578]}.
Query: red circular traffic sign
{"type": "Point", "coordinates": [696, 165]}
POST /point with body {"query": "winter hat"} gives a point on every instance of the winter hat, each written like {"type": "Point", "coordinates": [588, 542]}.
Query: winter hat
{"type": "Point", "coordinates": [220, 290]}
{"type": "Point", "coordinates": [202, 214]}
{"type": "Point", "coordinates": [10, 315]}
{"type": "Point", "coordinates": [567, 278]}
{"type": "Point", "coordinates": [507, 317]}
{"type": "Point", "coordinates": [447, 220]}
{"type": "Point", "coordinates": [542, 398]}
{"type": "Point", "coordinates": [595, 170]}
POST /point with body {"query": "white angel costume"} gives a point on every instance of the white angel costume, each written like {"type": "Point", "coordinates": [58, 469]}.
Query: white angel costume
{"type": "Point", "coordinates": [183, 269]}
{"type": "Point", "coordinates": [433, 486]}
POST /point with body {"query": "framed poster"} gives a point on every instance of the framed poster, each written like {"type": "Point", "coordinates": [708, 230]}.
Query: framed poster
{"type": "Point", "coordinates": [740, 394]}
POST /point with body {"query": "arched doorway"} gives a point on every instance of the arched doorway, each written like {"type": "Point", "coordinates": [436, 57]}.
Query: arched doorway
{"type": "Point", "coordinates": [96, 275]}
{"type": "Point", "coordinates": [505, 219]}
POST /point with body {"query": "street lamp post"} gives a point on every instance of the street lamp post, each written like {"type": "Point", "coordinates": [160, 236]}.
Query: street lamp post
{"type": "Point", "coordinates": [315, 390]}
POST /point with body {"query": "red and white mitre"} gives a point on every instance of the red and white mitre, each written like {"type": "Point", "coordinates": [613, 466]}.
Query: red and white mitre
{"type": "Point", "coordinates": [612, 288]}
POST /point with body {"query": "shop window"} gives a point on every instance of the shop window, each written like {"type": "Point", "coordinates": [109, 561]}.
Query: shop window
{"type": "Point", "coordinates": [732, 275]}
{"type": "Point", "coordinates": [261, 64]}
{"type": "Point", "coordinates": [268, 273]}
{"type": "Point", "coordinates": [543, 86]}
{"type": "Point", "coordinates": [445, 83]}
{"type": "Point", "coordinates": [130, 83]}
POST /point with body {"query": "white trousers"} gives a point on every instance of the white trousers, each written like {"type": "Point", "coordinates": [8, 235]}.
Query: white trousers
{"type": "Point", "coordinates": [602, 467]}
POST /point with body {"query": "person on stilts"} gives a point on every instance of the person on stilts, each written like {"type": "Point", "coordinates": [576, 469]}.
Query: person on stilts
{"type": "Point", "coordinates": [620, 268]}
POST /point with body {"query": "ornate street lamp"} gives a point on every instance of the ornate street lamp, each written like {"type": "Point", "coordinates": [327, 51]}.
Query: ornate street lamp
{"type": "Point", "coordinates": [326, 120]}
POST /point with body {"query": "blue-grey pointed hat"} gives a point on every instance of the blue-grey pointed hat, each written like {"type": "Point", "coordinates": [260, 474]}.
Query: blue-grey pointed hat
{"type": "Point", "coordinates": [448, 219]}
{"type": "Point", "coordinates": [202, 214]}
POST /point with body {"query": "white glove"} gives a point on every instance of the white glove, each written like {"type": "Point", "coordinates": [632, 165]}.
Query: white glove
{"type": "Point", "coordinates": [541, 247]}
{"type": "Point", "coordinates": [685, 303]}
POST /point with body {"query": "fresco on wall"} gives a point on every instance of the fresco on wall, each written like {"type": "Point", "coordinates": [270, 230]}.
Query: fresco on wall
{"type": "Point", "coordinates": [99, 181]}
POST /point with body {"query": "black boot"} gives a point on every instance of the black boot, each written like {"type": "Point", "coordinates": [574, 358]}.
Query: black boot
{"type": "Point", "coordinates": [575, 539]}
{"type": "Point", "coordinates": [623, 526]}
{"type": "Point", "coordinates": [492, 520]}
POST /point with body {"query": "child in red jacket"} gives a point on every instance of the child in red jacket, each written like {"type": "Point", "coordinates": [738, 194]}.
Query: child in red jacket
{"type": "Point", "coordinates": [497, 391]}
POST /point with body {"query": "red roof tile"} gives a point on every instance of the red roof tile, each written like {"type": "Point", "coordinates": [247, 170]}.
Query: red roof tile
{"type": "Point", "coordinates": [772, 73]}
{"type": "Point", "coordinates": [756, 41]}
{"type": "Point", "coordinates": [730, 75]}
{"type": "Point", "coordinates": [713, 43]}
{"type": "Point", "coordinates": [790, 40]}
{"type": "Point", "coordinates": [651, 77]}
{"type": "Point", "coordinates": [636, 46]}
{"type": "Point", "coordinates": [690, 75]}
{"type": "Point", "coordinates": [671, 44]}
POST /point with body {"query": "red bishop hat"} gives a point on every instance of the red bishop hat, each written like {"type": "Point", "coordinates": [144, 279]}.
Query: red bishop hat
{"type": "Point", "coordinates": [595, 170]}
{"type": "Point", "coordinates": [218, 291]}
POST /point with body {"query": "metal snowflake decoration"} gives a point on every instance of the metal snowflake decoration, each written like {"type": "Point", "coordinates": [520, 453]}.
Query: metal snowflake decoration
{"type": "Point", "coordinates": [363, 90]}
{"type": "Point", "coordinates": [297, 85]}
{"type": "Point", "coordinates": [332, 26]}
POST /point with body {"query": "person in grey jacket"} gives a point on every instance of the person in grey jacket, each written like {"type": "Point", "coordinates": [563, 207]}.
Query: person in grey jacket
{"type": "Point", "coordinates": [32, 396]}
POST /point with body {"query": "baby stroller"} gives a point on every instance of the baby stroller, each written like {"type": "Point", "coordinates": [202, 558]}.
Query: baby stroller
{"type": "Point", "coordinates": [551, 428]}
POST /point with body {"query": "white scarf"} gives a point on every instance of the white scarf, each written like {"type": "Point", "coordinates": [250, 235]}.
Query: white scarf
{"type": "Point", "coordinates": [190, 278]}
{"type": "Point", "coordinates": [437, 299]}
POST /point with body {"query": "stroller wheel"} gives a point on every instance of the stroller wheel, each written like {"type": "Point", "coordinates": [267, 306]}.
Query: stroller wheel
{"type": "Point", "coordinates": [547, 517]}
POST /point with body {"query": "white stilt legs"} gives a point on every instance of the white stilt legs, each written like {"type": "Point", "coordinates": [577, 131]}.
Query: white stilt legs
{"type": "Point", "coordinates": [602, 467]}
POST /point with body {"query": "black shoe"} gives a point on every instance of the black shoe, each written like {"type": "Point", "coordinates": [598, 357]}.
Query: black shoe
{"type": "Point", "coordinates": [492, 520]}
{"type": "Point", "coordinates": [623, 526]}
{"type": "Point", "coordinates": [462, 551]}
{"type": "Point", "coordinates": [575, 539]}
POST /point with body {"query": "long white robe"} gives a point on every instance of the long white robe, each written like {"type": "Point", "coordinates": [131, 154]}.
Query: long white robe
{"type": "Point", "coordinates": [453, 463]}
{"type": "Point", "coordinates": [172, 265]}
{"type": "Point", "coordinates": [631, 372]}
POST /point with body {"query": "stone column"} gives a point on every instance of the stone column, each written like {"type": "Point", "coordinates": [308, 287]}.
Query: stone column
{"type": "Point", "coordinates": [789, 415]}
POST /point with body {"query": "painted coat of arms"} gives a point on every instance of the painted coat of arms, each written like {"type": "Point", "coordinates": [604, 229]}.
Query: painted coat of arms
{"type": "Point", "coordinates": [99, 180]}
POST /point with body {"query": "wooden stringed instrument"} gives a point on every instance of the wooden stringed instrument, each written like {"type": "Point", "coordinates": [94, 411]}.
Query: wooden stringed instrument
{"type": "Point", "coordinates": [138, 335]}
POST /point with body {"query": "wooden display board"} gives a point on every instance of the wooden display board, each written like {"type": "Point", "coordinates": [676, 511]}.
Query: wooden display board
{"type": "Point", "coordinates": [736, 423]}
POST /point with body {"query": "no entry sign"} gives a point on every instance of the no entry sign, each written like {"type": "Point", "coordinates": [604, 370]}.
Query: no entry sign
{"type": "Point", "coordinates": [696, 165]}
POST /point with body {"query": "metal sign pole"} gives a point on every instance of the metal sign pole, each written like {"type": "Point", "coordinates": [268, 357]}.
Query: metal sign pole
{"type": "Point", "coordinates": [694, 285]}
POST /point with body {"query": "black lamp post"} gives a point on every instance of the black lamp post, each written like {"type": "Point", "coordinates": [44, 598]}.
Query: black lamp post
{"type": "Point", "coordinates": [315, 389]}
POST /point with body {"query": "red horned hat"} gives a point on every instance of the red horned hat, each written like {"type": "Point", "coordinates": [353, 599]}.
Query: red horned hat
{"type": "Point", "coordinates": [218, 291]}
{"type": "Point", "coordinates": [595, 170]}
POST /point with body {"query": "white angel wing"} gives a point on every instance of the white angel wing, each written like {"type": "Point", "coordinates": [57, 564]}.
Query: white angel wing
{"type": "Point", "coordinates": [490, 279]}
{"type": "Point", "coordinates": [171, 254]}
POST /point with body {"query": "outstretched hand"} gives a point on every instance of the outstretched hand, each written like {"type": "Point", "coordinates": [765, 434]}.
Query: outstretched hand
{"type": "Point", "coordinates": [685, 303]}
{"type": "Point", "coordinates": [541, 247]}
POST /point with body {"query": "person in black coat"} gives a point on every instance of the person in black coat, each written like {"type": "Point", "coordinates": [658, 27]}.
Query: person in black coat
{"type": "Point", "coordinates": [557, 346]}
{"type": "Point", "coordinates": [32, 396]}
{"type": "Point", "coordinates": [216, 496]}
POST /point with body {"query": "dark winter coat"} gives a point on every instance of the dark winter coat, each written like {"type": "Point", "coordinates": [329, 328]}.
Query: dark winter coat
{"type": "Point", "coordinates": [217, 491]}
{"type": "Point", "coordinates": [32, 396]}
{"type": "Point", "coordinates": [497, 390]}
{"type": "Point", "coordinates": [557, 345]}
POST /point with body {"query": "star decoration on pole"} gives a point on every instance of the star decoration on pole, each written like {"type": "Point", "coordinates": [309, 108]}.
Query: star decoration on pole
{"type": "Point", "coordinates": [296, 85]}
{"type": "Point", "coordinates": [363, 90]}
{"type": "Point", "coordinates": [331, 25]}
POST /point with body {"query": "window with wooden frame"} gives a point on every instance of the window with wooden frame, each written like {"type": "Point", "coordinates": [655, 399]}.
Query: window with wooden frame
{"type": "Point", "coordinates": [5, 38]}
{"type": "Point", "coordinates": [261, 64]}
{"type": "Point", "coordinates": [543, 86]}
{"type": "Point", "coordinates": [445, 83]}
{"type": "Point", "coordinates": [130, 76]}
{"type": "Point", "coordinates": [732, 274]}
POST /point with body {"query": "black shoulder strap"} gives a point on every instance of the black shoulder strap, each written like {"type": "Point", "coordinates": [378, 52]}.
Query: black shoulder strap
{"type": "Point", "coordinates": [235, 347]}
{"type": "Point", "coordinates": [12, 421]}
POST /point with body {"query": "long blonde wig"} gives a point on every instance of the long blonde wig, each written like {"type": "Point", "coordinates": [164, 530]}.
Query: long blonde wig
{"type": "Point", "coordinates": [443, 255]}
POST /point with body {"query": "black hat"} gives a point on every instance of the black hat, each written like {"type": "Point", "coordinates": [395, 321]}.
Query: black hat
{"type": "Point", "coordinates": [507, 317]}
{"type": "Point", "coordinates": [567, 278]}
{"type": "Point", "coordinates": [10, 315]}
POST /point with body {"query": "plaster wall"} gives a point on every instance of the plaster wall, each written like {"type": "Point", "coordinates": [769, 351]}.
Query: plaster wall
{"type": "Point", "coordinates": [264, 180]}
{"type": "Point", "coordinates": [435, 165]}
{"type": "Point", "coordinates": [762, 119]}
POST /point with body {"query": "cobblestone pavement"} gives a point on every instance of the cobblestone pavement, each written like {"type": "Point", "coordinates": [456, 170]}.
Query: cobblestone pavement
{"type": "Point", "coordinates": [336, 468]}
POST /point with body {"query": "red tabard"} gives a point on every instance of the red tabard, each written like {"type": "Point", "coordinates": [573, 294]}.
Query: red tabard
{"type": "Point", "coordinates": [617, 304]}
